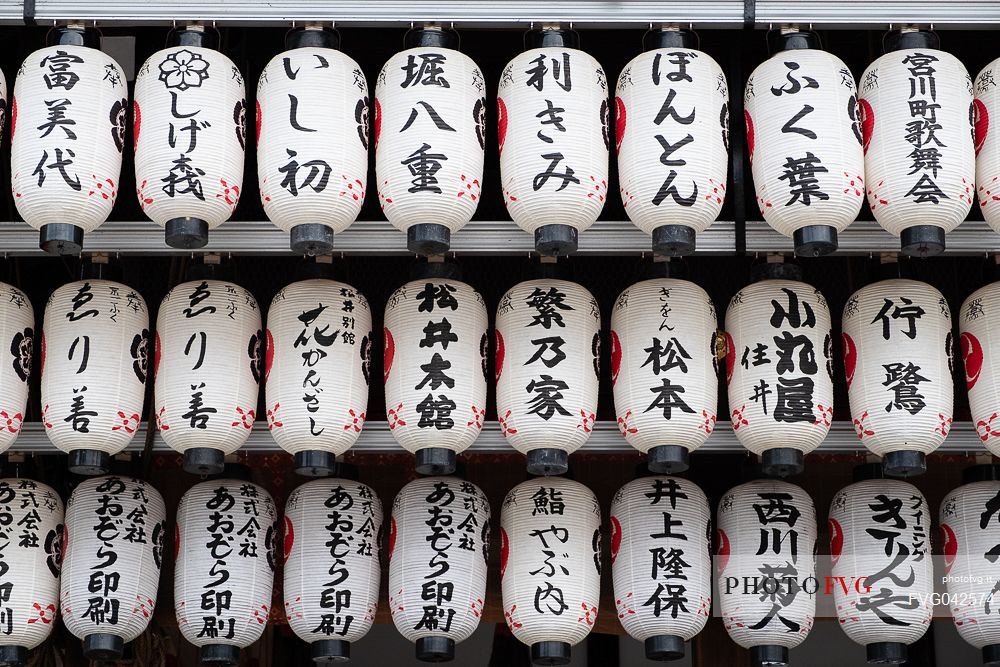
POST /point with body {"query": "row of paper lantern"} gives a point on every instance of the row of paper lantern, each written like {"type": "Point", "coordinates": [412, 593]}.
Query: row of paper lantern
{"type": "Point", "coordinates": [908, 140]}
{"type": "Point", "coordinates": [227, 546]}
{"type": "Point", "coordinates": [211, 354]}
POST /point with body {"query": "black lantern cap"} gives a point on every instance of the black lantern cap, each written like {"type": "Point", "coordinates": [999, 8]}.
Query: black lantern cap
{"type": "Point", "coordinates": [775, 271]}
{"type": "Point", "coordinates": [782, 462]}
{"type": "Point", "coordinates": [315, 463]}
{"type": "Point", "coordinates": [443, 270]}
{"type": "Point", "coordinates": [209, 271]}
{"type": "Point", "coordinates": [675, 268]}
{"type": "Point", "coordinates": [330, 650]}
{"type": "Point", "coordinates": [664, 647]}
{"type": "Point", "coordinates": [60, 238]}
{"type": "Point", "coordinates": [435, 649]}
{"type": "Point", "coordinates": [904, 463]}
{"type": "Point", "coordinates": [778, 41]}
{"type": "Point", "coordinates": [667, 459]}
{"type": "Point", "coordinates": [435, 461]}
{"type": "Point", "coordinates": [886, 653]}
{"type": "Point", "coordinates": [548, 461]}
{"type": "Point", "coordinates": [89, 462]}
{"type": "Point", "coordinates": [311, 238]}
{"type": "Point", "coordinates": [103, 646]}
{"type": "Point", "coordinates": [554, 240]}
{"type": "Point", "coordinates": [220, 655]}
{"type": "Point", "coordinates": [537, 39]}
{"type": "Point", "coordinates": [991, 655]}
{"type": "Point", "coordinates": [815, 240]}
{"type": "Point", "coordinates": [980, 473]}
{"type": "Point", "coordinates": [866, 471]}
{"type": "Point", "coordinates": [324, 38]}
{"type": "Point", "coordinates": [669, 38]}
{"type": "Point", "coordinates": [204, 461]}
{"type": "Point", "coordinates": [73, 36]}
{"type": "Point", "coordinates": [13, 656]}
{"type": "Point", "coordinates": [897, 40]}
{"type": "Point", "coordinates": [91, 270]}
{"type": "Point", "coordinates": [768, 654]}
{"type": "Point", "coordinates": [922, 241]}
{"type": "Point", "coordinates": [550, 653]}
{"type": "Point", "coordinates": [428, 238]}
{"type": "Point", "coordinates": [202, 36]}
{"type": "Point", "coordinates": [433, 36]}
{"type": "Point", "coordinates": [674, 240]}
{"type": "Point", "coordinates": [186, 233]}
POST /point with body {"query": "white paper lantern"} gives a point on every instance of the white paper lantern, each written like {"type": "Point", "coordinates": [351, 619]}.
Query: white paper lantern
{"type": "Point", "coordinates": [969, 540]}
{"type": "Point", "coordinates": [672, 136]}
{"type": "Point", "coordinates": [664, 369]}
{"type": "Point", "coordinates": [779, 369]}
{"type": "Point", "coordinates": [767, 536]}
{"type": "Point", "coordinates": [979, 342]}
{"type": "Point", "coordinates": [113, 551]}
{"type": "Point", "coordinates": [547, 364]}
{"type": "Point", "coordinates": [225, 549]}
{"type": "Point", "coordinates": [550, 542]}
{"type": "Point", "coordinates": [898, 362]}
{"type": "Point", "coordinates": [553, 130]}
{"type": "Point", "coordinates": [435, 369]}
{"type": "Point", "coordinates": [661, 562]}
{"type": "Point", "coordinates": [95, 344]}
{"type": "Point", "coordinates": [986, 143]}
{"type": "Point", "coordinates": [68, 120]}
{"type": "Point", "coordinates": [312, 139]}
{"type": "Point", "coordinates": [317, 370]}
{"type": "Point", "coordinates": [882, 566]}
{"type": "Point", "coordinates": [438, 550]}
{"type": "Point", "coordinates": [917, 117]}
{"type": "Point", "coordinates": [430, 131]}
{"type": "Point", "coordinates": [17, 333]}
{"type": "Point", "coordinates": [31, 516]}
{"type": "Point", "coordinates": [208, 367]}
{"type": "Point", "coordinates": [332, 532]}
{"type": "Point", "coordinates": [804, 137]}
{"type": "Point", "coordinates": [189, 119]}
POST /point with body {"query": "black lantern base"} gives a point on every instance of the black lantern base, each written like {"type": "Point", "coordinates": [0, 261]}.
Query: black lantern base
{"type": "Point", "coordinates": [815, 240]}
{"type": "Point", "coordinates": [775, 271]}
{"type": "Point", "coordinates": [886, 653]}
{"type": "Point", "coordinates": [782, 462]}
{"type": "Point", "coordinates": [667, 459]}
{"type": "Point", "coordinates": [664, 647]}
{"type": "Point", "coordinates": [204, 461]}
{"type": "Point", "coordinates": [991, 655]}
{"type": "Point", "coordinates": [303, 37]}
{"type": "Point", "coordinates": [669, 39]}
{"type": "Point", "coordinates": [904, 463]}
{"type": "Point", "coordinates": [428, 239]}
{"type": "Point", "coordinates": [311, 239]}
{"type": "Point", "coordinates": [674, 240]}
{"type": "Point", "coordinates": [90, 462]}
{"type": "Point", "coordinates": [315, 463]}
{"type": "Point", "coordinates": [186, 233]}
{"type": "Point", "coordinates": [553, 240]}
{"type": "Point", "coordinates": [13, 656]}
{"type": "Point", "coordinates": [330, 650]}
{"type": "Point", "coordinates": [435, 461]}
{"type": "Point", "coordinates": [768, 654]}
{"type": "Point", "coordinates": [922, 241]}
{"type": "Point", "coordinates": [103, 646]}
{"type": "Point", "coordinates": [550, 653]}
{"type": "Point", "coordinates": [220, 655]}
{"type": "Point", "coordinates": [59, 238]}
{"type": "Point", "coordinates": [548, 461]}
{"type": "Point", "coordinates": [435, 649]}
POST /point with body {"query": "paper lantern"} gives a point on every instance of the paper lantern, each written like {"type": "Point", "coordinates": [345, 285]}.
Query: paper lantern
{"type": "Point", "coordinates": [672, 137]}
{"type": "Point", "coordinates": [986, 107]}
{"type": "Point", "coordinates": [319, 344]}
{"type": "Point", "coordinates": [17, 333]}
{"type": "Point", "coordinates": [439, 545]}
{"type": "Point", "coordinates": [779, 367]}
{"type": "Point", "coordinates": [435, 369]}
{"type": "Point", "coordinates": [661, 562]}
{"type": "Point", "coordinates": [766, 567]}
{"type": "Point", "coordinates": [664, 369]}
{"type": "Point", "coordinates": [332, 534]}
{"type": "Point", "coordinates": [917, 118]}
{"type": "Point", "coordinates": [553, 129]}
{"type": "Point", "coordinates": [430, 131]}
{"type": "Point", "coordinates": [95, 349]}
{"type": "Point", "coordinates": [225, 549]}
{"type": "Point", "coordinates": [978, 342]}
{"type": "Point", "coordinates": [70, 104]}
{"type": "Point", "coordinates": [113, 551]}
{"type": "Point", "coordinates": [969, 539]}
{"type": "Point", "coordinates": [548, 345]}
{"type": "Point", "coordinates": [208, 366]}
{"type": "Point", "coordinates": [898, 362]}
{"type": "Point", "coordinates": [804, 137]}
{"type": "Point", "coordinates": [550, 603]}
{"type": "Point", "coordinates": [882, 567]}
{"type": "Point", "coordinates": [312, 139]}
{"type": "Point", "coordinates": [31, 515]}
{"type": "Point", "coordinates": [189, 119]}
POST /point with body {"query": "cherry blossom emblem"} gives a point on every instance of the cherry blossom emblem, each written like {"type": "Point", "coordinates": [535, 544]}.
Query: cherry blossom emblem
{"type": "Point", "coordinates": [183, 69]}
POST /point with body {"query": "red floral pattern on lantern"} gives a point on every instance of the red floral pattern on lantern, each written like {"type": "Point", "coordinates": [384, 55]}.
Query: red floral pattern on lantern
{"type": "Point", "coordinates": [739, 417]}
{"type": "Point", "coordinates": [289, 538]}
{"type": "Point", "coordinates": [981, 123]}
{"type": "Point", "coordinates": [272, 418]}
{"type": "Point", "coordinates": [708, 422]}
{"type": "Point", "coordinates": [949, 546]}
{"type": "Point", "coordinates": [504, 551]}
{"type": "Point", "coordinates": [589, 614]}
{"type": "Point", "coordinates": [861, 427]}
{"type": "Point", "coordinates": [944, 425]}
{"type": "Point", "coordinates": [509, 617]}
{"type": "Point", "coordinates": [850, 358]}
{"type": "Point", "coordinates": [616, 538]}
{"type": "Point", "coordinates": [244, 418]}
{"type": "Point", "coordinates": [621, 119]}
{"type": "Point", "coordinates": [501, 352]}
{"type": "Point", "coordinates": [45, 613]}
{"type": "Point", "coordinates": [504, 428]}
{"type": "Point", "coordinates": [10, 422]}
{"type": "Point", "coordinates": [836, 540]}
{"type": "Point", "coordinates": [985, 428]}
{"type": "Point", "coordinates": [625, 606]}
{"type": "Point", "coordinates": [749, 122]}
{"type": "Point", "coordinates": [388, 352]}
{"type": "Point", "coordinates": [616, 356]}
{"type": "Point", "coordinates": [624, 425]}
{"type": "Point", "coordinates": [722, 551]}
{"type": "Point", "coordinates": [105, 187]}
{"type": "Point", "coordinates": [586, 421]}
{"type": "Point", "coordinates": [477, 417]}
{"type": "Point", "coordinates": [357, 420]}
{"type": "Point", "coordinates": [972, 357]}
{"type": "Point", "coordinates": [128, 422]}
{"type": "Point", "coordinates": [501, 123]}
{"type": "Point", "coordinates": [395, 418]}
{"type": "Point", "coordinates": [867, 122]}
